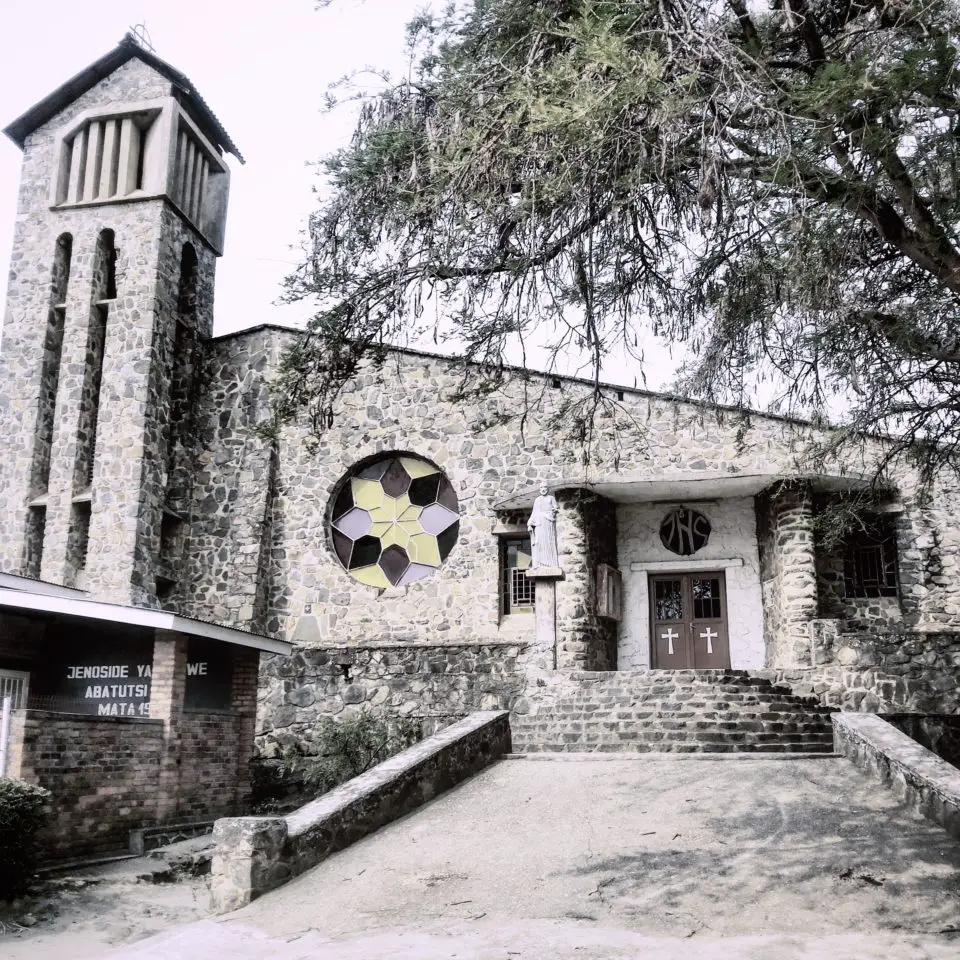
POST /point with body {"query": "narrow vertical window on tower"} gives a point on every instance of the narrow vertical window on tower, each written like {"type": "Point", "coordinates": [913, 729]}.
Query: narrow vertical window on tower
{"type": "Point", "coordinates": [181, 369]}
{"type": "Point", "coordinates": [50, 365]}
{"type": "Point", "coordinates": [78, 543]}
{"type": "Point", "coordinates": [182, 373]}
{"type": "Point", "coordinates": [192, 171]}
{"type": "Point", "coordinates": [36, 527]}
{"type": "Point", "coordinates": [103, 294]}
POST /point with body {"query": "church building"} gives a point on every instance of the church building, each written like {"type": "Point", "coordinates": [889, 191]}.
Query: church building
{"type": "Point", "coordinates": [423, 557]}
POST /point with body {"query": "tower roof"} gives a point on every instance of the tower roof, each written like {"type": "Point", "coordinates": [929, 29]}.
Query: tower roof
{"type": "Point", "coordinates": [125, 50]}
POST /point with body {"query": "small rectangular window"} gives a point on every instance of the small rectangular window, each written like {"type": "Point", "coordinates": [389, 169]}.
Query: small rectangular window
{"type": "Point", "coordinates": [517, 590]}
{"type": "Point", "coordinates": [870, 562]}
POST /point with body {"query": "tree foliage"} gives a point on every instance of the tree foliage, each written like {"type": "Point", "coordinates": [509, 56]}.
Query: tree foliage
{"type": "Point", "coordinates": [24, 810]}
{"type": "Point", "coordinates": [774, 186]}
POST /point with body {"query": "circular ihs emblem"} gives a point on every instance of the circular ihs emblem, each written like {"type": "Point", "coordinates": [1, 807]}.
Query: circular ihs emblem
{"type": "Point", "coordinates": [684, 531]}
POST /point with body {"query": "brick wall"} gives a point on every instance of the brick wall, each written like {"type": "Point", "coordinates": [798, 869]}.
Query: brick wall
{"type": "Point", "coordinates": [102, 771]}
{"type": "Point", "coordinates": [210, 762]}
{"type": "Point", "coordinates": [111, 775]}
{"type": "Point", "coordinates": [216, 748]}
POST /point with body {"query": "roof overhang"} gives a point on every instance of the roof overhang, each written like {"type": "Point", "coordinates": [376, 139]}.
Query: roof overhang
{"type": "Point", "coordinates": [90, 76]}
{"type": "Point", "coordinates": [10, 581]}
{"type": "Point", "coordinates": [684, 487]}
{"type": "Point", "coordinates": [70, 607]}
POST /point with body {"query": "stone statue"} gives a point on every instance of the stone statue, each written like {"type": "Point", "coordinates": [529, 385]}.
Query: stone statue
{"type": "Point", "coordinates": [543, 530]}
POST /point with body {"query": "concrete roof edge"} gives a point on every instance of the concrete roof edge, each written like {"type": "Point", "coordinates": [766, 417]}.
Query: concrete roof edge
{"type": "Point", "coordinates": [89, 609]}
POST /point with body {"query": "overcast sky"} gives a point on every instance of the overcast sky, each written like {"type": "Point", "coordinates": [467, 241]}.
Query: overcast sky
{"type": "Point", "coordinates": [263, 68]}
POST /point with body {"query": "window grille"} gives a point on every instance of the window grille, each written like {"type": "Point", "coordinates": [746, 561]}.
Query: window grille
{"type": "Point", "coordinates": [517, 590]}
{"type": "Point", "coordinates": [13, 684]}
{"type": "Point", "coordinates": [870, 564]}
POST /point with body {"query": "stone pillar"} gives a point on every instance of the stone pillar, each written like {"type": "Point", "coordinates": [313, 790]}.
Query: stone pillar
{"type": "Point", "coordinates": [587, 536]}
{"type": "Point", "coordinates": [795, 565]}
{"type": "Point", "coordinates": [167, 688]}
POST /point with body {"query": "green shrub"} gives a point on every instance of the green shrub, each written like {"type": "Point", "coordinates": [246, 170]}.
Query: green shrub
{"type": "Point", "coordinates": [339, 750]}
{"type": "Point", "coordinates": [24, 809]}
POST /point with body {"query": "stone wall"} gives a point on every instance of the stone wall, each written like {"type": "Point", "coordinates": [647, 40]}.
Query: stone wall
{"type": "Point", "coordinates": [234, 544]}
{"type": "Point", "coordinates": [787, 572]}
{"type": "Point", "coordinates": [402, 406]}
{"type": "Point", "coordinates": [102, 771]}
{"type": "Point", "coordinates": [888, 673]}
{"type": "Point", "coordinates": [132, 417]}
{"type": "Point", "coordinates": [433, 684]}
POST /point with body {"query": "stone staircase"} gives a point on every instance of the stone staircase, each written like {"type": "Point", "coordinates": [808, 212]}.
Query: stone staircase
{"type": "Point", "coordinates": [681, 711]}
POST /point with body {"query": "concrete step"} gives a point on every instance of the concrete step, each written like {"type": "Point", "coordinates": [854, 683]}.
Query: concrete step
{"type": "Point", "coordinates": [678, 747]}
{"type": "Point", "coordinates": [682, 711]}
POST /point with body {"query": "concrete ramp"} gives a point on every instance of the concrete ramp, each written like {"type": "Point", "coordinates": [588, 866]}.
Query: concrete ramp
{"type": "Point", "coordinates": [659, 855]}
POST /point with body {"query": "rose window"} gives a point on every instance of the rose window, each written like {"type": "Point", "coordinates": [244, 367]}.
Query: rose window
{"type": "Point", "coordinates": [394, 521]}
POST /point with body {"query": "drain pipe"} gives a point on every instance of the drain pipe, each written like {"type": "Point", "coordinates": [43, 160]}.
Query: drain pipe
{"type": "Point", "coordinates": [4, 733]}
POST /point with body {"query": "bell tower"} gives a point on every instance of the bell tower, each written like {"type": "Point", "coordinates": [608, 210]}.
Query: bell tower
{"type": "Point", "coordinates": [121, 217]}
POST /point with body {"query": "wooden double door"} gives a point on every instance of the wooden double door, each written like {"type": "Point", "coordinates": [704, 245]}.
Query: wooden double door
{"type": "Point", "coordinates": [688, 621]}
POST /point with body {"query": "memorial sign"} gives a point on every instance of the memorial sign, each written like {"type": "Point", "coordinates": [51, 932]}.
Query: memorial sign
{"type": "Point", "coordinates": [114, 680]}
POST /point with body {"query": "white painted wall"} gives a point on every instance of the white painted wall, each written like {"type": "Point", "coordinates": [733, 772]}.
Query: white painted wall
{"type": "Point", "coordinates": [734, 535]}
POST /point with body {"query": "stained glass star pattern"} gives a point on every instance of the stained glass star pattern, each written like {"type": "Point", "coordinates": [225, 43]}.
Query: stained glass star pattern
{"type": "Point", "coordinates": [394, 521]}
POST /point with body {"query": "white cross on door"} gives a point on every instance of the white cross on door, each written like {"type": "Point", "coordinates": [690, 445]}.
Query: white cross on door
{"type": "Point", "coordinates": [669, 636]}
{"type": "Point", "coordinates": [709, 636]}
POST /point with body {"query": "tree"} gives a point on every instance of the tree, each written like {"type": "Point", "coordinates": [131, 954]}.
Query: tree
{"type": "Point", "coordinates": [777, 188]}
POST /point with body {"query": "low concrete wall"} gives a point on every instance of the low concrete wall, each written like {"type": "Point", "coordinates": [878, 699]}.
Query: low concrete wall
{"type": "Point", "coordinates": [253, 855]}
{"type": "Point", "coordinates": [930, 785]}
{"type": "Point", "coordinates": [939, 733]}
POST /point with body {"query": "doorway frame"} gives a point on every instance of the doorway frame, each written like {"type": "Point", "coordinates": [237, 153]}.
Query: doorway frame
{"type": "Point", "coordinates": [686, 576]}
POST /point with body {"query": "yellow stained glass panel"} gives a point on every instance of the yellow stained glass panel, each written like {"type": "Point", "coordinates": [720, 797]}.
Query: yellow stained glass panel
{"type": "Point", "coordinates": [394, 535]}
{"type": "Point", "coordinates": [372, 576]}
{"type": "Point", "coordinates": [367, 493]}
{"type": "Point", "coordinates": [424, 549]}
{"type": "Point", "coordinates": [417, 468]}
{"type": "Point", "coordinates": [411, 513]}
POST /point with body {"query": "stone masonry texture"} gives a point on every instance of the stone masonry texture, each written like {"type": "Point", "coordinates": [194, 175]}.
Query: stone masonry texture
{"type": "Point", "coordinates": [194, 508]}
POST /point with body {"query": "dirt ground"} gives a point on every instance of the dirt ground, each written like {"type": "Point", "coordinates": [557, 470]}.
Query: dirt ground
{"type": "Point", "coordinates": [659, 856]}
{"type": "Point", "coordinates": [87, 911]}
{"type": "Point", "coordinates": [662, 857]}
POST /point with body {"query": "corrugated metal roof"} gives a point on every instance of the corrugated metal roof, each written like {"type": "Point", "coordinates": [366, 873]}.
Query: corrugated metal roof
{"type": "Point", "coordinates": [125, 50]}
